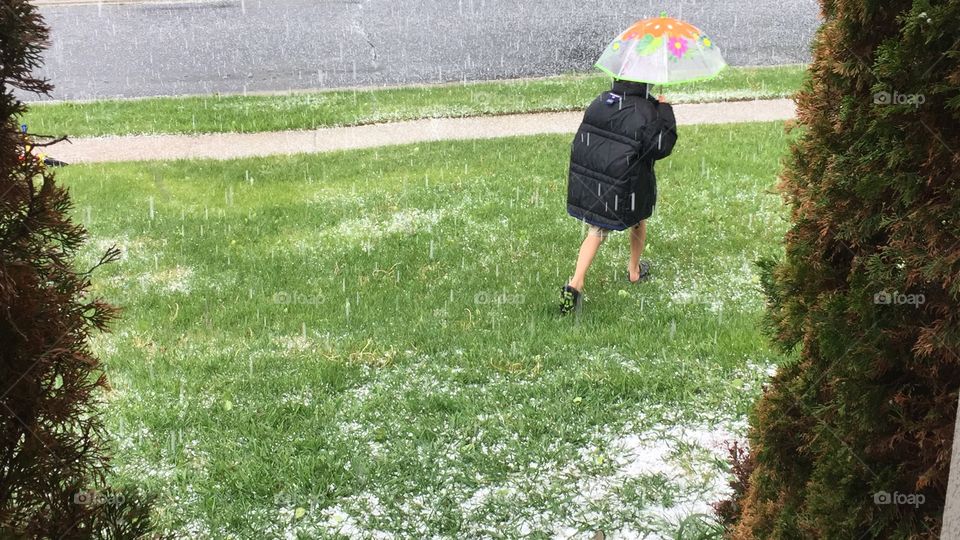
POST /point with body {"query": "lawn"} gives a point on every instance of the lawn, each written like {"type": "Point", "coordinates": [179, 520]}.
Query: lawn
{"type": "Point", "coordinates": [366, 343]}
{"type": "Point", "coordinates": [309, 110]}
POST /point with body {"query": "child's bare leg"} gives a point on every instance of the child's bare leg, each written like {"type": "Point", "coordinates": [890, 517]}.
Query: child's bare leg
{"type": "Point", "coordinates": [588, 250]}
{"type": "Point", "coordinates": [638, 239]}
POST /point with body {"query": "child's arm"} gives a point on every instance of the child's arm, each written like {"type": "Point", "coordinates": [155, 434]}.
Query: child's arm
{"type": "Point", "coordinates": [664, 136]}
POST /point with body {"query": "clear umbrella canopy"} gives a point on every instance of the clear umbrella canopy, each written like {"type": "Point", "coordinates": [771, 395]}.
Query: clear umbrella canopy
{"type": "Point", "coordinates": [662, 51]}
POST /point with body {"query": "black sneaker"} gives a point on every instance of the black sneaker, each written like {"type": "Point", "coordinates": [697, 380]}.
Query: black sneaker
{"type": "Point", "coordinates": [569, 299]}
{"type": "Point", "coordinates": [644, 273]}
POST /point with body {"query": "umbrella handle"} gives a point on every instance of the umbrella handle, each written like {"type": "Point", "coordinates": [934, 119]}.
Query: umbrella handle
{"type": "Point", "coordinates": [661, 97]}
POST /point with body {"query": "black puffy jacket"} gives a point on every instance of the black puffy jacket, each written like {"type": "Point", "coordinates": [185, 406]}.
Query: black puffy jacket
{"type": "Point", "coordinates": [611, 182]}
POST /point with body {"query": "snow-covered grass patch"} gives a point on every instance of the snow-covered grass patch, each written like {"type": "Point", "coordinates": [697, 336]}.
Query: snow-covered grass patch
{"type": "Point", "coordinates": [366, 344]}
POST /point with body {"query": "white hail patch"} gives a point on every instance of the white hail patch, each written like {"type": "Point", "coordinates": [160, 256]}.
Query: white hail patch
{"type": "Point", "coordinates": [736, 286]}
{"type": "Point", "coordinates": [365, 230]}
{"type": "Point", "coordinates": [172, 280]}
{"type": "Point", "coordinates": [683, 455]}
{"type": "Point", "coordinates": [127, 247]}
{"type": "Point", "coordinates": [408, 222]}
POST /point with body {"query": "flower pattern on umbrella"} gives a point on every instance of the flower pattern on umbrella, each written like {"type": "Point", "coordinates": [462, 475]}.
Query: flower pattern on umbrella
{"type": "Point", "coordinates": [648, 45]}
{"type": "Point", "coordinates": [678, 46]}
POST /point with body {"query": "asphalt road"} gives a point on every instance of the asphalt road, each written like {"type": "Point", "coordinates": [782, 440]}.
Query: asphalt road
{"type": "Point", "coordinates": [146, 49]}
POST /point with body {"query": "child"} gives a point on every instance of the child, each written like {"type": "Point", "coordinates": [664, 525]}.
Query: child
{"type": "Point", "coordinates": [611, 183]}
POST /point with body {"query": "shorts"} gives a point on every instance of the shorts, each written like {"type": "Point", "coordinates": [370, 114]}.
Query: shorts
{"type": "Point", "coordinates": [598, 232]}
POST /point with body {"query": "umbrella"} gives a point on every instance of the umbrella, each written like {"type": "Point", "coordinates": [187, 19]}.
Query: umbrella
{"type": "Point", "coordinates": [663, 51]}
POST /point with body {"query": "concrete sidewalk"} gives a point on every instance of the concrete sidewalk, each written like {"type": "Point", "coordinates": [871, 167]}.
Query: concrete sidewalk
{"type": "Point", "coordinates": [238, 145]}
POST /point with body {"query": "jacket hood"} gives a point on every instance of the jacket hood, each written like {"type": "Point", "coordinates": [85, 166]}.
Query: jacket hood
{"type": "Point", "coordinates": [631, 88]}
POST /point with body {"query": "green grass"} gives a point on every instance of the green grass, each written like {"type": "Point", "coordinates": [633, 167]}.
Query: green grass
{"type": "Point", "coordinates": [245, 114]}
{"type": "Point", "coordinates": [368, 341]}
